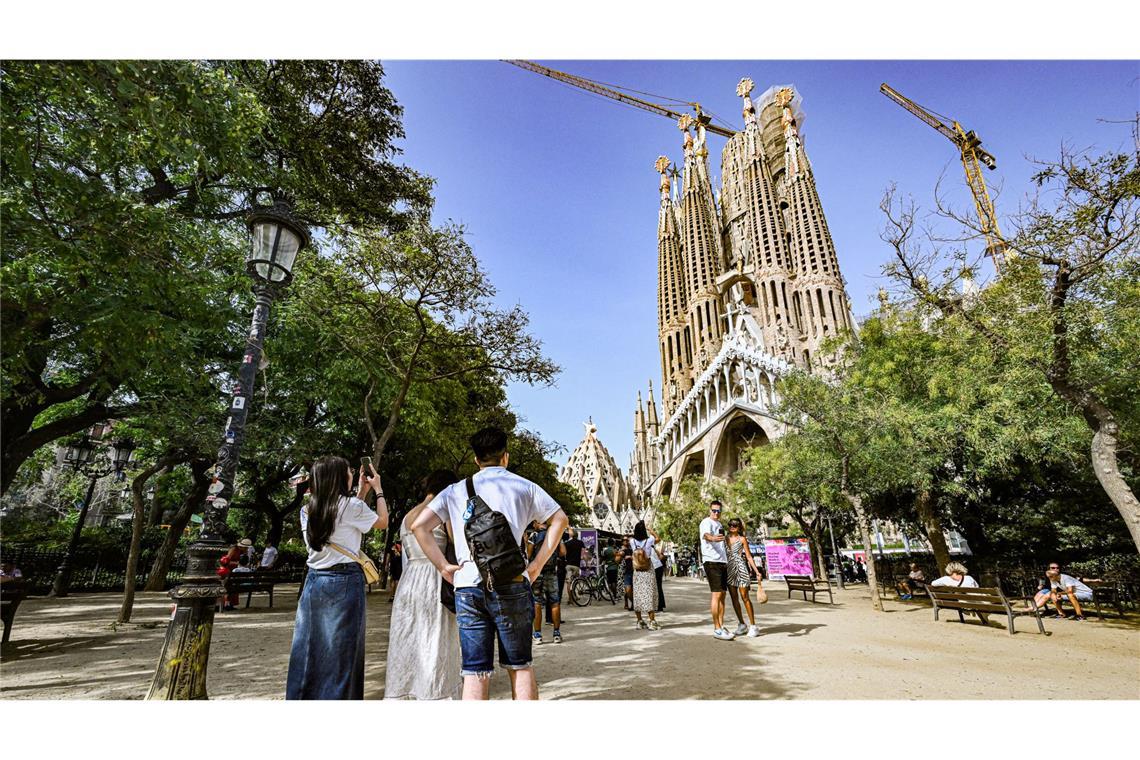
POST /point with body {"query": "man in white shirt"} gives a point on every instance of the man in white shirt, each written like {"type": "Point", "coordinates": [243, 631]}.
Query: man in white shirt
{"type": "Point", "coordinates": [715, 560]}
{"type": "Point", "coordinates": [504, 614]}
{"type": "Point", "coordinates": [268, 557]}
{"type": "Point", "coordinates": [1060, 585]}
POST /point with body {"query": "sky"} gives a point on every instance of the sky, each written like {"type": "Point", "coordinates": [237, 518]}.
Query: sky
{"type": "Point", "coordinates": [558, 193]}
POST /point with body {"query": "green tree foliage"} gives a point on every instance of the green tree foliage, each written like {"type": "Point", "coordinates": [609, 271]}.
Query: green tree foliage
{"type": "Point", "coordinates": [118, 278]}
{"type": "Point", "coordinates": [1065, 311]}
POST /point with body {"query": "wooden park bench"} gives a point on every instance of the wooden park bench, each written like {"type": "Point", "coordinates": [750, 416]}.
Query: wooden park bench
{"type": "Point", "coordinates": [11, 594]}
{"type": "Point", "coordinates": [980, 601]}
{"type": "Point", "coordinates": [258, 582]}
{"type": "Point", "coordinates": [808, 585]}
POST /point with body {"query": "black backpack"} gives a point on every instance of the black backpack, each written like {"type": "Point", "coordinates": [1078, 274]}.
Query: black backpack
{"type": "Point", "coordinates": [498, 556]}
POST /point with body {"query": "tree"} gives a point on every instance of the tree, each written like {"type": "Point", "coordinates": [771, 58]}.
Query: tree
{"type": "Point", "coordinates": [788, 481]}
{"type": "Point", "coordinates": [1067, 306]}
{"type": "Point", "coordinates": [121, 184]}
{"type": "Point", "coordinates": [416, 309]}
{"type": "Point", "coordinates": [679, 519]}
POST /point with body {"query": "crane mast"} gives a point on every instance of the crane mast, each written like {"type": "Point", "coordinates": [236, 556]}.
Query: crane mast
{"type": "Point", "coordinates": [621, 97]}
{"type": "Point", "coordinates": [973, 157]}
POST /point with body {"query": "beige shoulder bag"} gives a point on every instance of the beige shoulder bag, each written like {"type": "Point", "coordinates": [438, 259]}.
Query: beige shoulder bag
{"type": "Point", "coordinates": [371, 574]}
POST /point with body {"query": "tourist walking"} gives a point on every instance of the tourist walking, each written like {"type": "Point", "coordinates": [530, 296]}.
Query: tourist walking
{"type": "Point", "coordinates": [326, 660]}
{"type": "Point", "coordinates": [547, 591]}
{"type": "Point", "coordinates": [625, 558]}
{"type": "Point", "coordinates": [395, 568]}
{"type": "Point", "coordinates": [739, 562]}
{"type": "Point", "coordinates": [490, 609]}
{"type": "Point", "coordinates": [423, 637]}
{"type": "Point", "coordinates": [644, 585]}
{"type": "Point", "coordinates": [610, 566]}
{"type": "Point", "coordinates": [574, 548]}
{"type": "Point", "coordinates": [659, 573]}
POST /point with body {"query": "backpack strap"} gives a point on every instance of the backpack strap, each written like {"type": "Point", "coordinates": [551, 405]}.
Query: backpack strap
{"type": "Point", "coordinates": [470, 487]}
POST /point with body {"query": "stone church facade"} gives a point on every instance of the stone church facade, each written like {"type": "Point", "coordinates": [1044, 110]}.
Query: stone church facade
{"type": "Point", "coordinates": [748, 289]}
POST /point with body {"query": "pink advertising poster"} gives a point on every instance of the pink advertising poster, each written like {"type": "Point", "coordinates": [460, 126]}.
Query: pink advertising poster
{"type": "Point", "coordinates": [787, 556]}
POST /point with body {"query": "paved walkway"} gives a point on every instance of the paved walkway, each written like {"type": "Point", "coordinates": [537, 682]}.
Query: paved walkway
{"type": "Point", "coordinates": [65, 648]}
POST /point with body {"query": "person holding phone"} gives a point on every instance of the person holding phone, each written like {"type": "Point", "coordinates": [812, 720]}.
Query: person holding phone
{"type": "Point", "coordinates": [326, 660]}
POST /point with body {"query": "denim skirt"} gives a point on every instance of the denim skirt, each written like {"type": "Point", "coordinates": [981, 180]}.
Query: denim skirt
{"type": "Point", "coordinates": [327, 658]}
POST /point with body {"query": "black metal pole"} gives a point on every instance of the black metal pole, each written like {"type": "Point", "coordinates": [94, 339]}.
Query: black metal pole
{"type": "Point", "coordinates": [181, 671]}
{"type": "Point", "coordinates": [835, 554]}
{"type": "Point", "coordinates": [60, 586]}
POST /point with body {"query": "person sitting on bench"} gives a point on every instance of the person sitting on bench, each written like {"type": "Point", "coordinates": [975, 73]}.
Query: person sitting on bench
{"type": "Point", "coordinates": [956, 575]}
{"type": "Point", "coordinates": [913, 582]}
{"type": "Point", "coordinates": [1060, 585]}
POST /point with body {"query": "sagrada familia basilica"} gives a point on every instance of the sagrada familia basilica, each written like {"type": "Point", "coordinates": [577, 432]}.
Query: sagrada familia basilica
{"type": "Point", "coordinates": [748, 288]}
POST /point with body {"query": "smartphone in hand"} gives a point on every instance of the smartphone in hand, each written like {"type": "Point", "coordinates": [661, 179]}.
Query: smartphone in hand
{"type": "Point", "coordinates": [366, 462]}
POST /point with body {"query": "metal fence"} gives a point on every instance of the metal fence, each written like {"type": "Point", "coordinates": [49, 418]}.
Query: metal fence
{"type": "Point", "coordinates": [90, 571]}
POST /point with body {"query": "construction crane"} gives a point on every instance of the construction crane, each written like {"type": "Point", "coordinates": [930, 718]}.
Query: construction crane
{"type": "Point", "coordinates": [599, 89]}
{"type": "Point", "coordinates": [969, 146]}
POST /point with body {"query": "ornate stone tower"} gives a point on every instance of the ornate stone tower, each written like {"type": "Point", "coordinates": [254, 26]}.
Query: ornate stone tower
{"type": "Point", "coordinates": [755, 234]}
{"type": "Point", "coordinates": [593, 473]}
{"type": "Point", "coordinates": [820, 305]}
{"type": "Point", "coordinates": [675, 342]}
{"type": "Point", "coordinates": [704, 259]}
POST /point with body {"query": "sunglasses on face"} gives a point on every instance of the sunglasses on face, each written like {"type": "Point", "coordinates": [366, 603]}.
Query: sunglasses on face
{"type": "Point", "coordinates": [716, 511]}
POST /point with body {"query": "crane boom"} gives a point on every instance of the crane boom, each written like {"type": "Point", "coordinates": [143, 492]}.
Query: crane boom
{"type": "Point", "coordinates": [972, 155]}
{"type": "Point", "coordinates": [621, 97]}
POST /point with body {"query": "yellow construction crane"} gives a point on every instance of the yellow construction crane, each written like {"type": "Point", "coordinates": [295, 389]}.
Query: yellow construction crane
{"type": "Point", "coordinates": [969, 146]}
{"type": "Point", "coordinates": [600, 89]}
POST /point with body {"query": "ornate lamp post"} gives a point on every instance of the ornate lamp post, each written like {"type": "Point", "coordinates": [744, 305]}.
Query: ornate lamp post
{"type": "Point", "coordinates": [277, 237]}
{"type": "Point", "coordinates": [80, 456]}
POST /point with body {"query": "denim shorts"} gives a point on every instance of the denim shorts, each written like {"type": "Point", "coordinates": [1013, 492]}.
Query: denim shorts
{"type": "Point", "coordinates": [505, 615]}
{"type": "Point", "coordinates": [547, 590]}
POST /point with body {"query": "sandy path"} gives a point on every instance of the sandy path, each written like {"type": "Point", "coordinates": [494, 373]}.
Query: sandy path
{"type": "Point", "coordinates": [64, 649]}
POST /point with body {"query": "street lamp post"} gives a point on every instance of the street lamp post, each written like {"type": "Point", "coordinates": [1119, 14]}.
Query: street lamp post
{"type": "Point", "coordinates": [277, 237]}
{"type": "Point", "coordinates": [81, 457]}
{"type": "Point", "coordinates": [835, 553]}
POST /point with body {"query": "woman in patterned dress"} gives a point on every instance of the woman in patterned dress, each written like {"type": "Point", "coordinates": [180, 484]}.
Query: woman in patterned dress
{"type": "Point", "coordinates": [644, 580]}
{"type": "Point", "coordinates": [739, 561]}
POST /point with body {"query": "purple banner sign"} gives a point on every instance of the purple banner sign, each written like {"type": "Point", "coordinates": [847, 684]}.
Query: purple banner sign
{"type": "Point", "coordinates": [787, 556]}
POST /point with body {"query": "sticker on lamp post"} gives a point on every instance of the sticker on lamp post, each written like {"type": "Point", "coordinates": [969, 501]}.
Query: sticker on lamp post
{"type": "Point", "coordinates": [239, 402]}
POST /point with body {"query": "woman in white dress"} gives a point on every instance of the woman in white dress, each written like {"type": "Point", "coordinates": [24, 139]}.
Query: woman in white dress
{"type": "Point", "coordinates": [423, 638]}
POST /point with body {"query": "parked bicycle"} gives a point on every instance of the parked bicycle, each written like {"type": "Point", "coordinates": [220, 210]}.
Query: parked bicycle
{"type": "Point", "coordinates": [588, 588]}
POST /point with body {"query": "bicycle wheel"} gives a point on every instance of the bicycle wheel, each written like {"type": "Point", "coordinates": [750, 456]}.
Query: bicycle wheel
{"type": "Point", "coordinates": [580, 592]}
{"type": "Point", "coordinates": [605, 593]}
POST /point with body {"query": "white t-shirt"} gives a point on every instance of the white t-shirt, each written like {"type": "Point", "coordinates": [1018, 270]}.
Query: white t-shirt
{"type": "Point", "coordinates": [1065, 581]}
{"type": "Point", "coordinates": [946, 580]}
{"type": "Point", "coordinates": [268, 556]}
{"type": "Point", "coordinates": [647, 545]}
{"type": "Point", "coordinates": [353, 520]}
{"type": "Point", "coordinates": [513, 496]}
{"type": "Point", "coordinates": [712, 551]}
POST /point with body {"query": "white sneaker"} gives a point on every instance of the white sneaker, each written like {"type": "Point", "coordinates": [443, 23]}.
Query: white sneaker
{"type": "Point", "coordinates": [723, 634]}
{"type": "Point", "coordinates": [753, 631]}
{"type": "Point", "coordinates": [741, 629]}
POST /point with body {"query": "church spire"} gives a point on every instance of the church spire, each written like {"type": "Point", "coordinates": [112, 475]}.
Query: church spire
{"type": "Point", "coordinates": [700, 237]}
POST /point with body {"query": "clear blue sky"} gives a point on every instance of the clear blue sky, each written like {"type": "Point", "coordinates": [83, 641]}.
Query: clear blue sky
{"type": "Point", "coordinates": [558, 191]}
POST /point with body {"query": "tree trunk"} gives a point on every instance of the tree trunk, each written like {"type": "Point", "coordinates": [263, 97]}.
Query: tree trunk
{"type": "Point", "coordinates": [1107, 468]}
{"type": "Point", "coordinates": [865, 536]}
{"type": "Point", "coordinates": [156, 581]}
{"type": "Point", "coordinates": [137, 526]}
{"type": "Point", "coordinates": [154, 514]}
{"type": "Point", "coordinates": [932, 526]}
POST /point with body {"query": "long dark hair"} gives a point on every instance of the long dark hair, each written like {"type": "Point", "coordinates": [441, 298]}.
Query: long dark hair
{"type": "Point", "coordinates": [434, 482]}
{"type": "Point", "coordinates": [639, 531]}
{"type": "Point", "coordinates": [328, 483]}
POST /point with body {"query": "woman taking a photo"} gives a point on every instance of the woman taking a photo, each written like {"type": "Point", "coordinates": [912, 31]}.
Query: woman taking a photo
{"type": "Point", "coordinates": [423, 639]}
{"type": "Point", "coordinates": [644, 579]}
{"type": "Point", "coordinates": [739, 560]}
{"type": "Point", "coordinates": [327, 658]}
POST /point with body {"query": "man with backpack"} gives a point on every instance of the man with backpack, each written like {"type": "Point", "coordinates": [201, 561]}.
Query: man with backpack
{"type": "Point", "coordinates": [488, 513]}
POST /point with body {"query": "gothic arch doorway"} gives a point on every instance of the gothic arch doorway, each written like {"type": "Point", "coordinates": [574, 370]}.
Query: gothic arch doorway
{"type": "Point", "coordinates": [740, 434]}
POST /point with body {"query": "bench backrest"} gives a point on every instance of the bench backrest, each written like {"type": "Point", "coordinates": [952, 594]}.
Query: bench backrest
{"type": "Point", "coordinates": [795, 581]}
{"type": "Point", "coordinates": [988, 599]}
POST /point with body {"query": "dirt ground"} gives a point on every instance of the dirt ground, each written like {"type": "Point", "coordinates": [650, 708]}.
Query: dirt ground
{"type": "Point", "coordinates": [66, 649]}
